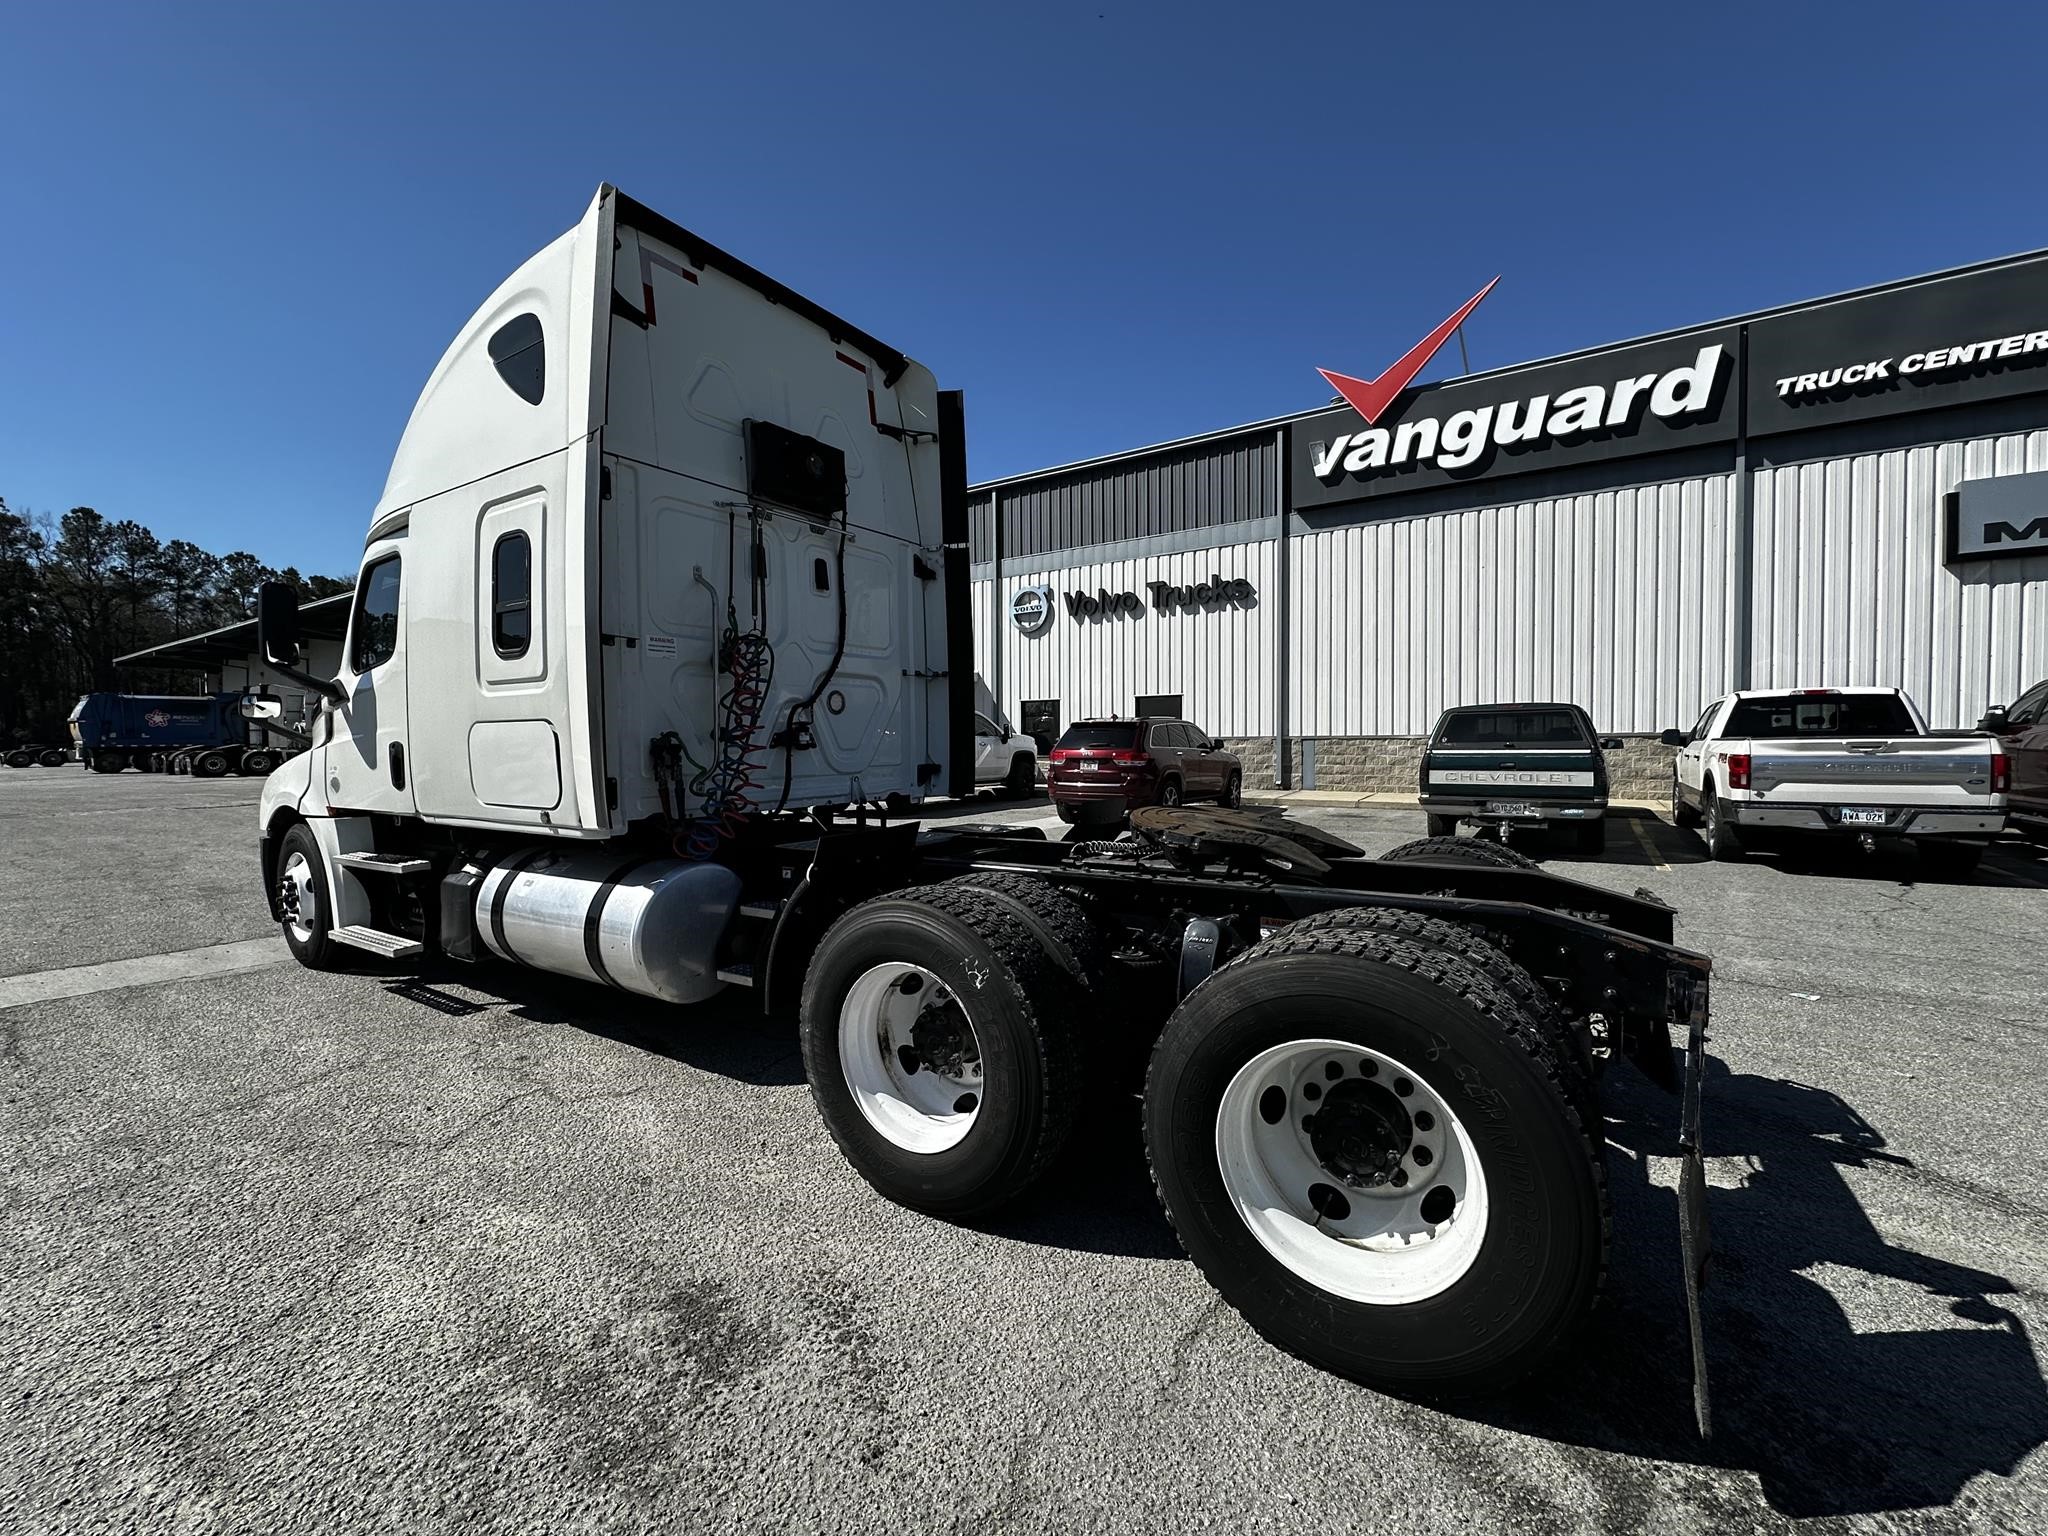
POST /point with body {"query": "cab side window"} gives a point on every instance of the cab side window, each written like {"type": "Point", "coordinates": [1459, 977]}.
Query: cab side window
{"type": "Point", "coordinates": [511, 594]}
{"type": "Point", "coordinates": [374, 633]}
{"type": "Point", "coordinates": [2027, 711]}
{"type": "Point", "coordinates": [1706, 719]}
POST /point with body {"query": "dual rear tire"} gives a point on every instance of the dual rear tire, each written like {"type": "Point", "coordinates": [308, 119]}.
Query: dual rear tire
{"type": "Point", "coordinates": [1369, 1131]}
{"type": "Point", "coordinates": [938, 1037]}
{"type": "Point", "coordinates": [1370, 1150]}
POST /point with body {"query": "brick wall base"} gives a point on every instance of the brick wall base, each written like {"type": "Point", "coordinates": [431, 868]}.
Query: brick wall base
{"type": "Point", "coordinates": [1364, 765]}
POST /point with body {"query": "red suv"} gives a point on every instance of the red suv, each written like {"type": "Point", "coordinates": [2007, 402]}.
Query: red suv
{"type": "Point", "coordinates": [1103, 768]}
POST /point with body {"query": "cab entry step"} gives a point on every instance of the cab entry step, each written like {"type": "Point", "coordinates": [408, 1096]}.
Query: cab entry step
{"type": "Point", "coordinates": [391, 946]}
{"type": "Point", "coordinates": [382, 863]}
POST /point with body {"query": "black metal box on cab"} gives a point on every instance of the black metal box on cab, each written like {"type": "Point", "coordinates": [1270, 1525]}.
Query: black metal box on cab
{"type": "Point", "coordinates": [795, 471]}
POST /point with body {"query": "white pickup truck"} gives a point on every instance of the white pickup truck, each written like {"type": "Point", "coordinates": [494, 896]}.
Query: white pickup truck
{"type": "Point", "coordinates": [1842, 762]}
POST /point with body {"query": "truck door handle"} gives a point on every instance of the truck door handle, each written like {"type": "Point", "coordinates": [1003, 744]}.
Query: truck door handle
{"type": "Point", "coordinates": [397, 756]}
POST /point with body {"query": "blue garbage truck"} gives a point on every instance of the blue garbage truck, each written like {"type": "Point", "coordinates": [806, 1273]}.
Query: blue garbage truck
{"type": "Point", "coordinates": [203, 734]}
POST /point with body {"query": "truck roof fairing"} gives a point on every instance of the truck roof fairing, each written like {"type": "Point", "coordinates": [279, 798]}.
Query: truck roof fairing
{"type": "Point", "coordinates": [467, 423]}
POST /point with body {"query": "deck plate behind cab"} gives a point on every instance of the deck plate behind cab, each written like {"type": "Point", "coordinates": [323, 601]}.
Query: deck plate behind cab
{"type": "Point", "coordinates": [1266, 832]}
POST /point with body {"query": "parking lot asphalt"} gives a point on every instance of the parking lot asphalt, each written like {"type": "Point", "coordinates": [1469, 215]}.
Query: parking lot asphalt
{"type": "Point", "coordinates": [479, 1250]}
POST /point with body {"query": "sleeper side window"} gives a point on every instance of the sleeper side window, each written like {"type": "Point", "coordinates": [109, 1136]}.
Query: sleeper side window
{"type": "Point", "coordinates": [375, 630]}
{"type": "Point", "coordinates": [511, 595]}
{"type": "Point", "coordinates": [520, 355]}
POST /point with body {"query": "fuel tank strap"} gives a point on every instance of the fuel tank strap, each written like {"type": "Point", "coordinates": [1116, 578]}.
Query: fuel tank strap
{"type": "Point", "coordinates": [506, 873]}
{"type": "Point", "coordinates": [595, 916]}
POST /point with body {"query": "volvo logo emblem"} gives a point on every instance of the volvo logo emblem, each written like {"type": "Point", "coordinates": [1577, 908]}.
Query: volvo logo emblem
{"type": "Point", "coordinates": [1031, 609]}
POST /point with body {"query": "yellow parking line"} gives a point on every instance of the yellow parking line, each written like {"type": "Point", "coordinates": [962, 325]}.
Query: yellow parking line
{"type": "Point", "coordinates": [1649, 847]}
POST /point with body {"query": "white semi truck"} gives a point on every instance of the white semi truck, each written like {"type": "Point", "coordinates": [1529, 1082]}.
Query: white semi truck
{"type": "Point", "coordinates": [661, 629]}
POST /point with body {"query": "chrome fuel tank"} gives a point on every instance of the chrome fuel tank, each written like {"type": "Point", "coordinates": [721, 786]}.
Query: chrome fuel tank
{"type": "Point", "coordinates": [648, 925]}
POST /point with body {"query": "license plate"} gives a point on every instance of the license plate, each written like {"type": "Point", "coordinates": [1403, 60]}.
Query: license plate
{"type": "Point", "coordinates": [1863, 816]}
{"type": "Point", "coordinates": [1087, 767]}
{"type": "Point", "coordinates": [1511, 808]}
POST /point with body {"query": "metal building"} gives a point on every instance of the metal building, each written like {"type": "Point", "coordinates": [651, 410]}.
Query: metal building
{"type": "Point", "coordinates": [1847, 491]}
{"type": "Point", "coordinates": [228, 657]}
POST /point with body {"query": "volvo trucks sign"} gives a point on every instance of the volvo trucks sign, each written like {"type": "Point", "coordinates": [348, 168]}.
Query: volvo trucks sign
{"type": "Point", "coordinates": [1031, 609]}
{"type": "Point", "coordinates": [1996, 518]}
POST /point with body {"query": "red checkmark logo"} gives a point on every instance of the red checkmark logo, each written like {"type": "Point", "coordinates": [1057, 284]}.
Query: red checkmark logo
{"type": "Point", "coordinates": [1371, 397]}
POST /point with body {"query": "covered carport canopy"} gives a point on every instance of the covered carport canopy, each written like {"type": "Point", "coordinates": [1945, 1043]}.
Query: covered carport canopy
{"type": "Point", "coordinates": [323, 619]}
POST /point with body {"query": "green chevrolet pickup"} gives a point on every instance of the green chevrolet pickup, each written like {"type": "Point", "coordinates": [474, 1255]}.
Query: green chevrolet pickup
{"type": "Point", "coordinates": [1517, 765]}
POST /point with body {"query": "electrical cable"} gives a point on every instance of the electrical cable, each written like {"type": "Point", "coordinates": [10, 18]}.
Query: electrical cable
{"type": "Point", "coordinates": [807, 706]}
{"type": "Point", "coordinates": [749, 659]}
{"type": "Point", "coordinates": [735, 774]}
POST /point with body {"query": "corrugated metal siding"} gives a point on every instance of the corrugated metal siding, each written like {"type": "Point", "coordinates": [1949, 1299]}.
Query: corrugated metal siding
{"type": "Point", "coordinates": [1851, 587]}
{"type": "Point", "coordinates": [1618, 600]}
{"type": "Point", "coordinates": [1222, 483]}
{"type": "Point", "coordinates": [1219, 661]}
{"type": "Point", "coordinates": [984, 630]}
{"type": "Point", "coordinates": [981, 527]}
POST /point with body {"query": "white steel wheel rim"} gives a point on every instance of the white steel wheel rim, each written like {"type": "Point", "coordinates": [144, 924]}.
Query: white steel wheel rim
{"type": "Point", "coordinates": [918, 1103]}
{"type": "Point", "coordinates": [1382, 1243]}
{"type": "Point", "coordinates": [301, 905]}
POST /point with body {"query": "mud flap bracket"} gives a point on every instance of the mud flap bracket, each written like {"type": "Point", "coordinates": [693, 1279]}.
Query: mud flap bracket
{"type": "Point", "coordinates": [1688, 995]}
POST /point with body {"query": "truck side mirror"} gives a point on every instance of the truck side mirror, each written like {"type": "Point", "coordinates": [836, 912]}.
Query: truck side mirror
{"type": "Point", "coordinates": [1610, 743]}
{"type": "Point", "coordinates": [1674, 738]}
{"type": "Point", "coordinates": [277, 623]}
{"type": "Point", "coordinates": [1994, 719]}
{"type": "Point", "coordinates": [262, 706]}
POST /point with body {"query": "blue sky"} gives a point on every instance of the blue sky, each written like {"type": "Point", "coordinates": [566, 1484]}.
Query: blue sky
{"type": "Point", "coordinates": [237, 238]}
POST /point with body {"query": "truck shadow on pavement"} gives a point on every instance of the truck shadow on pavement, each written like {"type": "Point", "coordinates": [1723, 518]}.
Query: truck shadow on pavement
{"type": "Point", "coordinates": [1832, 1419]}
{"type": "Point", "coordinates": [726, 1035]}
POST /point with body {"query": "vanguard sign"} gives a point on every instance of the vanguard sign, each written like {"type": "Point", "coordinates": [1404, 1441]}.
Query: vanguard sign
{"type": "Point", "coordinates": [1641, 399]}
{"type": "Point", "coordinates": [1465, 438]}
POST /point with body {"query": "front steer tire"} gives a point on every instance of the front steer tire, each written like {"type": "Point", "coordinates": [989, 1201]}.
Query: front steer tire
{"type": "Point", "coordinates": [1540, 1259]}
{"type": "Point", "coordinates": [1023, 1006]}
{"type": "Point", "coordinates": [311, 944]}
